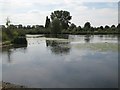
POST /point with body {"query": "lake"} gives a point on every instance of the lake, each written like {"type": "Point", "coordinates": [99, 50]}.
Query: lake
{"type": "Point", "coordinates": [70, 61]}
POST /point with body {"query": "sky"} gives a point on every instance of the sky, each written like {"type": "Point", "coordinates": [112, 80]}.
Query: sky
{"type": "Point", "coordinates": [34, 12]}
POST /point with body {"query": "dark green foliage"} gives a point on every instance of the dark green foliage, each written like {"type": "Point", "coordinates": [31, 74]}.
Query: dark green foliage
{"type": "Point", "coordinates": [20, 26]}
{"type": "Point", "coordinates": [63, 16]}
{"type": "Point", "coordinates": [29, 27]}
{"type": "Point", "coordinates": [118, 26]}
{"type": "Point", "coordinates": [19, 41]}
{"type": "Point", "coordinates": [12, 34]}
{"type": "Point", "coordinates": [47, 23]}
{"type": "Point", "coordinates": [87, 26]}
{"type": "Point", "coordinates": [79, 28]}
{"type": "Point", "coordinates": [32, 27]}
{"type": "Point", "coordinates": [101, 27]}
{"type": "Point", "coordinates": [107, 27]}
{"type": "Point", "coordinates": [113, 27]}
{"type": "Point", "coordinates": [72, 26]}
{"type": "Point", "coordinates": [7, 34]}
{"type": "Point", "coordinates": [56, 26]}
{"type": "Point", "coordinates": [12, 26]}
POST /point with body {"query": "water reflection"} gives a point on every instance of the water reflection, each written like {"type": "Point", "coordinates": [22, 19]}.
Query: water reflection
{"type": "Point", "coordinates": [68, 63]}
{"type": "Point", "coordinates": [11, 49]}
{"type": "Point", "coordinates": [87, 38]}
{"type": "Point", "coordinates": [58, 47]}
{"type": "Point", "coordinates": [9, 56]}
{"type": "Point", "coordinates": [65, 36]}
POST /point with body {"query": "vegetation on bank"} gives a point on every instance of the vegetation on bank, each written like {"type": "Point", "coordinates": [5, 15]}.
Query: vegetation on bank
{"type": "Point", "coordinates": [12, 35]}
{"type": "Point", "coordinates": [58, 23]}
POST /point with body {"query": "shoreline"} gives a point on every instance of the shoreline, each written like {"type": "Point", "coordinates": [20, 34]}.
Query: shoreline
{"type": "Point", "coordinates": [5, 44]}
{"type": "Point", "coordinates": [9, 86]}
{"type": "Point", "coordinates": [9, 43]}
{"type": "Point", "coordinates": [82, 33]}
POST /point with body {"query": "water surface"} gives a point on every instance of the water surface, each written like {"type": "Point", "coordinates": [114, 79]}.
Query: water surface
{"type": "Point", "coordinates": [76, 61]}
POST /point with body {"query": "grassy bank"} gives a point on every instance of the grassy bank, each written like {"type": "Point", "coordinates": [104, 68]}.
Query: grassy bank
{"type": "Point", "coordinates": [12, 36]}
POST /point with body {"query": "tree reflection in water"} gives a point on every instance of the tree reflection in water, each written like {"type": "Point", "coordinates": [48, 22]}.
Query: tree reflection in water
{"type": "Point", "coordinates": [87, 38]}
{"type": "Point", "coordinates": [63, 36]}
{"type": "Point", "coordinates": [58, 47]}
{"type": "Point", "coordinates": [10, 51]}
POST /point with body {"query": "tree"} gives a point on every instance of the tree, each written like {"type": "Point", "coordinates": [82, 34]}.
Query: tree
{"type": "Point", "coordinates": [47, 23]}
{"type": "Point", "coordinates": [8, 30]}
{"type": "Point", "coordinates": [7, 22]}
{"type": "Point", "coordinates": [113, 27]}
{"type": "Point", "coordinates": [118, 26]}
{"type": "Point", "coordinates": [72, 26]}
{"type": "Point", "coordinates": [87, 26]}
{"type": "Point", "coordinates": [12, 26]}
{"type": "Point", "coordinates": [101, 27]}
{"type": "Point", "coordinates": [63, 16]}
{"type": "Point", "coordinates": [33, 26]}
{"type": "Point", "coordinates": [28, 27]}
{"type": "Point", "coordinates": [107, 27]}
{"type": "Point", "coordinates": [79, 28]}
{"type": "Point", "coordinates": [20, 26]}
{"type": "Point", "coordinates": [56, 26]}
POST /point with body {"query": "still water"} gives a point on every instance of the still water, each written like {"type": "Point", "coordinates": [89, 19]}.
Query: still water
{"type": "Point", "coordinates": [76, 61]}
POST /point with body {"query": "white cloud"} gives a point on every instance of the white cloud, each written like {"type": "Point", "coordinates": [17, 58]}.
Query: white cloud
{"type": "Point", "coordinates": [97, 17]}
{"type": "Point", "coordinates": [35, 11]}
{"type": "Point", "coordinates": [30, 18]}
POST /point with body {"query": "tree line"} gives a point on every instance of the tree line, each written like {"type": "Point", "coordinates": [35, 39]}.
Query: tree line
{"type": "Point", "coordinates": [58, 23]}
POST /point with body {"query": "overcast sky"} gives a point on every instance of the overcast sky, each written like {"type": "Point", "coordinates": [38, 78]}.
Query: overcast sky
{"type": "Point", "coordinates": [32, 12]}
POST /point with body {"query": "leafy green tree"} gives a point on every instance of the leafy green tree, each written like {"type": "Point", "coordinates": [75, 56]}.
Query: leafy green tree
{"type": "Point", "coordinates": [101, 27]}
{"type": "Point", "coordinates": [113, 27]}
{"type": "Point", "coordinates": [56, 26]}
{"type": "Point", "coordinates": [20, 26]}
{"type": "Point", "coordinates": [72, 26]}
{"type": "Point", "coordinates": [28, 27]}
{"type": "Point", "coordinates": [8, 30]}
{"type": "Point", "coordinates": [12, 26]}
{"type": "Point", "coordinates": [87, 26]}
{"type": "Point", "coordinates": [33, 26]}
{"type": "Point", "coordinates": [47, 23]}
{"type": "Point", "coordinates": [107, 27]}
{"type": "Point", "coordinates": [79, 28]}
{"type": "Point", "coordinates": [118, 26]}
{"type": "Point", "coordinates": [63, 16]}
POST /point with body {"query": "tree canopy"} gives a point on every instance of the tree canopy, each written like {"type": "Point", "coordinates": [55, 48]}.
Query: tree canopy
{"type": "Point", "coordinates": [56, 26]}
{"type": "Point", "coordinates": [63, 16]}
{"type": "Point", "coordinates": [87, 26]}
{"type": "Point", "coordinates": [47, 23]}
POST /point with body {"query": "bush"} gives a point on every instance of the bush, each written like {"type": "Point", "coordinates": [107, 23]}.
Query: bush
{"type": "Point", "coordinates": [19, 41]}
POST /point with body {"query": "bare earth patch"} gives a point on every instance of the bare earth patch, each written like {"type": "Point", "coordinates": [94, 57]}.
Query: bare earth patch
{"type": "Point", "coordinates": [9, 86]}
